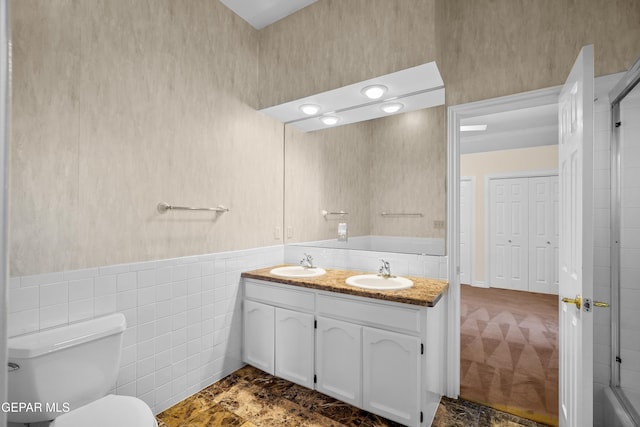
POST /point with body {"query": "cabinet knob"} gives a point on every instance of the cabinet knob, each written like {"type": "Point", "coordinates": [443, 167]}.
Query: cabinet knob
{"type": "Point", "coordinates": [509, 241]}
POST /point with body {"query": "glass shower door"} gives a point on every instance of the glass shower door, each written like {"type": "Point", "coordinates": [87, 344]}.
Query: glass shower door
{"type": "Point", "coordinates": [626, 245]}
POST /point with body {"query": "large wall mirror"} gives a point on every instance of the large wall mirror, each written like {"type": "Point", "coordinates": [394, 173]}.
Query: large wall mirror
{"type": "Point", "coordinates": [383, 180]}
{"type": "Point", "coordinates": [366, 170]}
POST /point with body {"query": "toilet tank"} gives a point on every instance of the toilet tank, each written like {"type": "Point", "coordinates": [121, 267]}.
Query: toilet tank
{"type": "Point", "coordinates": [63, 368]}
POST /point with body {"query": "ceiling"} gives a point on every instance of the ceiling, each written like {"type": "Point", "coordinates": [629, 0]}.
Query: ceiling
{"type": "Point", "coordinates": [261, 13]}
{"type": "Point", "coordinates": [526, 127]}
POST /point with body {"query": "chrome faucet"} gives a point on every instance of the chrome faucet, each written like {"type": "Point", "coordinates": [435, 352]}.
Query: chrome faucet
{"type": "Point", "coordinates": [385, 269]}
{"type": "Point", "coordinates": [307, 261]}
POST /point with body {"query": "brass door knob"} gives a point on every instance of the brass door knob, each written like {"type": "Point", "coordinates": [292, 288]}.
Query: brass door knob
{"type": "Point", "coordinates": [587, 303]}
{"type": "Point", "coordinates": [577, 301]}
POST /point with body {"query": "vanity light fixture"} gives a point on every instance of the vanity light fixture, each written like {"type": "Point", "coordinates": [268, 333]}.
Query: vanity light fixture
{"type": "Point", "coordinates": [392, 107]}
{"type": "Point", "coordinates": [416, 88]}
{"type": "Point", "coordinates": [374, 91]}
{"type": "Point", "coordinates": [329, 120]}
{"type": "Point", "coordinates": [310, 109]}
{"type": "Point", "coordinates": [472, 128]}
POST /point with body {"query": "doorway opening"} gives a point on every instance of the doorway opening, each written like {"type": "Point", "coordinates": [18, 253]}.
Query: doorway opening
{"type": "Point", "coordinates": [458, 114]}
{"type": "Point", "coordinates": [508, 260]}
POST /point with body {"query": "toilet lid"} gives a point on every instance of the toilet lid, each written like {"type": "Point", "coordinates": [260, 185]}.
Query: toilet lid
{"type": "Point", "coordinates": [109, 411]}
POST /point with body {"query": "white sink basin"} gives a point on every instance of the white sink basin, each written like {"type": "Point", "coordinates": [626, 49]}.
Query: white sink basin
{"type": "Point", "coordinates": [297, 271]}
{"type": "Point", "coordinates": [374, 281]}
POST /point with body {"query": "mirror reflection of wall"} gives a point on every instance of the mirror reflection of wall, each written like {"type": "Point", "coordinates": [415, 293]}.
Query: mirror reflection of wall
{"type": "Point", "coordinates": [395, 164]}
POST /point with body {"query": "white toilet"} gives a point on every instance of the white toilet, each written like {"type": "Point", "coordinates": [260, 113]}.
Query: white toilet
{"type": "Point", "coordinates": [65, 373]}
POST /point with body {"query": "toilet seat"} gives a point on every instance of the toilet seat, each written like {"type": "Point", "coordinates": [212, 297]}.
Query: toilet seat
{"type": "Point", "coordinates": [109, 411]}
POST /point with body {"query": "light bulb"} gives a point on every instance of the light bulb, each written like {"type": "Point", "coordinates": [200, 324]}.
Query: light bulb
{"type": "Point", "coordinates": [472, 128]}
{"type": "Point", "coordinates": [329, 120]}
{"type": "Point", "coordinates": [392, 107]}
{"type": "Point", "coordinates": [374, 91]}
{"type": "Point", "coordinates": [309, 109]}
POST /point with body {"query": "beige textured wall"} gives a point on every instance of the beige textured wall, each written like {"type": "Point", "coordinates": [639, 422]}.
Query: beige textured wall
{"type": "Point", "coordinates": [118, 105]}
{"type": "Point", "coordinates": [490, 48]}
{"type": "Point", "coordinates": [484, 49]}
{"type": "Point", "coordinates": [327, 170]}
{"type": "Point", "coordinates": [479, 165]}
{"type": "Point", "coordinates": [333, 43]}
{"type": "Point", "coordinates": [408, 173]}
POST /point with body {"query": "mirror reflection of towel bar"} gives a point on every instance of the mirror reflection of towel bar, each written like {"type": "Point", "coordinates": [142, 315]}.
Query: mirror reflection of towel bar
{"type": "Point", "coordinates": [401, 214]}
{"type": "Point", "coordinates": [164, 207]}
{"type": "Point", "coordinates": [325, 213]}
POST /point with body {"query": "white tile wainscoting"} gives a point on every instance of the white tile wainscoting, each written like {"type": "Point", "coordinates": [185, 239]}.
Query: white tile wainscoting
{"type": "Point", "coordinates": [184, 326]}
{"type": "Point", "coordinates": [183, 317]}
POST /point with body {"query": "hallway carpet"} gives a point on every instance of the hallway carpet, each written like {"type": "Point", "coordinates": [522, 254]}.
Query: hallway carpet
{"type": "Point", "coordinates": [509, 351]}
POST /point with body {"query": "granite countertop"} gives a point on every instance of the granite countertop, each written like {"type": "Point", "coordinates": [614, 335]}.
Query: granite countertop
{"type": "Point", "coordinates": [424, 292]}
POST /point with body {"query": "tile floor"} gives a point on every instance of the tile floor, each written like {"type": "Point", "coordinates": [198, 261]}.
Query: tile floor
{"type": "Point", "coordinates": [249, 397]}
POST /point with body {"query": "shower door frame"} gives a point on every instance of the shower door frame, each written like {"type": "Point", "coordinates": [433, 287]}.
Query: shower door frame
{"type": "Point", "coordinates": [630, 80]}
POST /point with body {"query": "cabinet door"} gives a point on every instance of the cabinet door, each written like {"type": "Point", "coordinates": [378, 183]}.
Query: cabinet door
{"type": "Point", "coordinates": [338, 360]}
{"type": "Point", "coordinates": [294, 346]}
{"type": "Point", "coordinates": [258, 337]}
{"type": "Point", "coordinates": [391, 375]}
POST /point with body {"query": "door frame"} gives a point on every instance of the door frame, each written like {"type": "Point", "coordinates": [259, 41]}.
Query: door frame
{"type": "Point", "coordinates": [472, 229]}
{"type": "Point", "coordinates": [487, 209]}
{"type": "Point", "coordinates": [455, 114]}
{"type": "Point", "coordinates": [4, 196]}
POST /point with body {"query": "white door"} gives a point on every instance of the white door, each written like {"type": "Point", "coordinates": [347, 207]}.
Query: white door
{"type": "Point", "coordinates": [543, 234]}
{"type": "Point", "coordinates": [508, 226]}
{"type": "Point", "coordinates": [575, 112]}
{"type": "Point", "coordinates": [339, 360]}
{"type": "Point", "coordinates": [390, 375]}
{"type": "Point", "coordinates": [258, 337]}
{"type": "Point", "coordinates": [294, 342]}
{"type": "Point", "coordinates": [466, 229]}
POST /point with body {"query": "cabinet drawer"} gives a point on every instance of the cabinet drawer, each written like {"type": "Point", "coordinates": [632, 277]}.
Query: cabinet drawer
{"type": "Point", "coordinates": [370, 313]}
{"type": "Point", "coordinates": [278, 296]}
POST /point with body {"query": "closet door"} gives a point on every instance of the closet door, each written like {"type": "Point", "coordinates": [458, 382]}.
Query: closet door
{"type": "Point", "coordinates": [509, 233]}
{"type": "Point", "coordinates": [543, 234]}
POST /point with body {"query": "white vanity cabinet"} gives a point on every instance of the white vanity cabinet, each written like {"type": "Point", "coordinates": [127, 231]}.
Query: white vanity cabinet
{"type": "Point", "coordinates": [391, 375]}
{"type": "Point", "coordinates": [294, 346]}
{"type": "Point", "coordinates": [339, 360]}
{"type": "Point", "coordinates": [276, 339]}
{"type": "Point", "coordinates": [258, 338]}
{"type": "Point", "coordinates": [381, 356]}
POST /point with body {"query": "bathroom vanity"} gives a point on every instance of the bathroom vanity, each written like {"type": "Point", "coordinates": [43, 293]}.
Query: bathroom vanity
{"type": "Point", "coordinates": [382, 351]}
